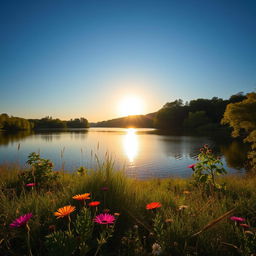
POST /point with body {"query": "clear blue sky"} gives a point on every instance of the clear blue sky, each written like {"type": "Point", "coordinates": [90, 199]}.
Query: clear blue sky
{"type": "Point", "coordinates": [78, 58]}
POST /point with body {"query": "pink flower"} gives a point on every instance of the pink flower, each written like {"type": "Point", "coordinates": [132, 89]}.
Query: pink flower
{"type": "Point", "coordinates": [21, 221]}
{"type": "Point", "coordinates": [238, 219]}
{"type": "Point", "coordinates": [192, 166]}
{"type": "Point", "coordinates": [104, 218]}
{"type": "Point", "coordinates": [30, 184]}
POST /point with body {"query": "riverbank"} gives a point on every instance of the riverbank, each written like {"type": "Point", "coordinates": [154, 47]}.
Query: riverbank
{"type": "Point", "coordinates": [186, 221]}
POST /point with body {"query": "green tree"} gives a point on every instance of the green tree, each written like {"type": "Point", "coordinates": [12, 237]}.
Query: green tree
{"type": "Point", "coordinates": [171, 116]}
{"type": "Point", "coordinates": [195, 120]}
{"type": "Point", "coordinates": [241, 116]}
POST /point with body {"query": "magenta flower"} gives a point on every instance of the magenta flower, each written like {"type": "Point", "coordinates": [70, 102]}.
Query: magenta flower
{"type": "Point", "coordinates": [30, 184]}
{"type": "Point", "coordinates": [21, 221]}
{"type": "Point", "coordinates": [104, 218]}
{"type": "Point", "coordinates": [238, 219]}
{"type": "Point", "coordinates": [192, 166]}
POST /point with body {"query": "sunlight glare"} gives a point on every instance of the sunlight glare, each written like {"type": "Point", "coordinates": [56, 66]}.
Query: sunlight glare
{"type": "Point", "coordinates": [130, 144]}
{"type": "Point", "coordinates": [131, 105]}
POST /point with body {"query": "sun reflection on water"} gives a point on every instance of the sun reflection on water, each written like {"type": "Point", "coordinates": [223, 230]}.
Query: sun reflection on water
{"type": "Point", "coordinates": [130, 143]}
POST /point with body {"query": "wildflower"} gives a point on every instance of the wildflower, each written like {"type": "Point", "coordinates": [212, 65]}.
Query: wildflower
{"type": "Point", "coordinates": [186, 192]}
{"type": "Point", "coordinates": [117, 214]}
{"type": "Point", "coordinates": [183, 207]}
{"type": "Point", "coordinates": [64, 211]}
{"type": "Point", "coordinates": [244, 225]}
{"type": "Point", "coordinates": [237, 219]}
{"type": "Point", "coordinates": [21, 221]}
{"type": "Point", "coordinates": [156, 249]}
{"type": "Point", "coordinates": [104, 188]}
{"type": "Point", "coordinates": [153, 205]}
{"type": "Point", "coordinates": [169, 220]}
{"type": "Point", "coordinates": [104, 218]}
{"type": "Point", "coordinates": [192, 166]}
{"type": "Point", "coordinates": [82, 197]}
{"type": "Point", "coordinates": [30, 184]}
{"type": "Point", "coordinates": [94, 203]}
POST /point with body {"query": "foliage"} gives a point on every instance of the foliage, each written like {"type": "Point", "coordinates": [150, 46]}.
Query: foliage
{"type": "Point", "coordinates": [196, 119]}
{"type": "Point", "coordinates": [195, 116]}
{"type": "Point", "coordinates": [241, 116]}
{"type": "Point", "coordinates": [171, 116]}
{"type": "Point", "coordinates": [206, 170]}
{"type": "Point", "coordinates": [84, 228]}
{"type": "Point", "coordinates": [132, 244]}
{"type": "Point", "coordinates": [41, 172]}
{"type": "Point", "coordinates": [14, 123]}
{"type": "Point", "coordinates": [60, 243]}
{"type": "Point", "coordinates": [78, 123]}
{"type": "Point", "coordinates": [81, 171]}
{"type": "Point", "coordinates": [48, 123]}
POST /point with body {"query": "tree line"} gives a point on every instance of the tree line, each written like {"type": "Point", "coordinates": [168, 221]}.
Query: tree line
{"type": "Point", "coordinates": [11, 123]}
{"type": "Point", "coordinates": [194, 116]}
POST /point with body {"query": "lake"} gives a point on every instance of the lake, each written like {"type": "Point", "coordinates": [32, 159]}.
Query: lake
{"type": "Point", "coordinates": [144, 153]}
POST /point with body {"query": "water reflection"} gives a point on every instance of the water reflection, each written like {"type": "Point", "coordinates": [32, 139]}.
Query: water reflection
{"type": "Point", "coordinates": [130, 144]}
{"type": "Point", "coordinates": [144, 152]}
{"type": "Point", "coordinates": [235, 154]}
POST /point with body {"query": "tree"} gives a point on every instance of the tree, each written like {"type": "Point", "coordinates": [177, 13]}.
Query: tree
{"type": "Point", "coordinates": [171, 116]}
{"type": "Point", "coordinates": [241, 116]}
{"type": "Point", "coordinates": [196, 119]}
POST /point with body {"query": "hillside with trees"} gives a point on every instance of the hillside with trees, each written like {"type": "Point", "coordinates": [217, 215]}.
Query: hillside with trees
{"type": "Point", "coordinates": [194, 116]}
{"type": "Point", "coordinates": [137, 121]}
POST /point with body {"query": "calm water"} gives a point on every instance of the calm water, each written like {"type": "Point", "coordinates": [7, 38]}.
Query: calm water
{"type": "Point", "coordinates": [143, 152]}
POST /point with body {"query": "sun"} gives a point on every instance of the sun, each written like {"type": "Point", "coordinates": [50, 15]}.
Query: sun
{"type": "Point", "coordinates": [131, 105]}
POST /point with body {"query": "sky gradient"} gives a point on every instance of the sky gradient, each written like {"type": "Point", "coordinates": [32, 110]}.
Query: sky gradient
{"type": "Point", "coordinates": [71, 59]}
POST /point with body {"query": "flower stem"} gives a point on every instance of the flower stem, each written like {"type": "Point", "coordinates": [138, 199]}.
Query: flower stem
{"type": "Point", "coordinates": [28, 240]}
{"type": "Point", "coordinates": [69, 222]}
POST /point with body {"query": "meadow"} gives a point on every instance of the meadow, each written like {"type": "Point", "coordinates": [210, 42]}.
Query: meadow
{"type": "Point", "coordinates": [103, 212]}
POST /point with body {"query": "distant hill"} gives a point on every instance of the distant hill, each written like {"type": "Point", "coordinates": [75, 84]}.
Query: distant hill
{"type": "Point", "coordinates": [136, 121]}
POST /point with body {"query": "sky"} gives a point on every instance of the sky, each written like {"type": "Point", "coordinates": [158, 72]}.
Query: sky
{"type": "Point", "coordinates": [69, 59]}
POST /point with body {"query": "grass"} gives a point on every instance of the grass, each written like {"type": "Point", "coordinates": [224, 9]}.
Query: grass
{"type": "Point", "coordinates": [199, 228]}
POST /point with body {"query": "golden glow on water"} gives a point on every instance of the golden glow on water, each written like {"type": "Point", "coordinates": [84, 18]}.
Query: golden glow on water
{"type": "Point", "coordinates": [130, 144]}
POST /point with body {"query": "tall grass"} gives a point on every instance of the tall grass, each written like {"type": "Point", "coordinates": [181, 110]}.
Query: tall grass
{"type": "Point", "coordinates": [190, 221]}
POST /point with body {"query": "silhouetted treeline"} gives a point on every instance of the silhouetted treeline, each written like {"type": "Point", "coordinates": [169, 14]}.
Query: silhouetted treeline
{"type": "Point", "coordinates": [50, 123]}
{"type": "Point", "coordinates": [78, 123]}
{"type": "Point", "coordinates": [200, 115]}
{"type": "Point", "coordinates": [142, 121]}
{"type": "Point", "coordinates": [11, 123]}
{"type": "Point", "coordinates": [196, 115]}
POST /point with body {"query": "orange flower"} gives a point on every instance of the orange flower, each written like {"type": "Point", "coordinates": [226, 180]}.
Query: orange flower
{"type": "Point", "coordinates": [64, 211]}
{"type": "Point", "coordinates": [153, 205]}
{"type": "Point", "coordinates": [82, 197]}
{"type": "Point", "coordinates": [94, 203]}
